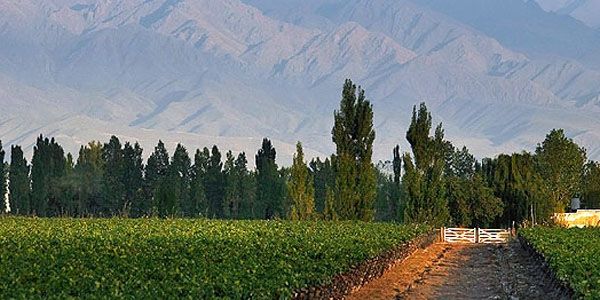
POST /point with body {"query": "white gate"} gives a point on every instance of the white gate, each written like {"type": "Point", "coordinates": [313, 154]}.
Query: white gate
{"type": "Point", "coordinates": [460, 235]}
{"type": "Point", "coordinates": [492, 236]}
{"type": "Point", "coordinates": [475, 235]}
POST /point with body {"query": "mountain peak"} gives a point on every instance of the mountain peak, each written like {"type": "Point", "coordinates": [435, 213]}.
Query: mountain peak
{"type": "Point", "coordinates": [235, 71]}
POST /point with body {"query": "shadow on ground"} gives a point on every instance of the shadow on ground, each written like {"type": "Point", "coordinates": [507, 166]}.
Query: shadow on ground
{"type": "Point", "coordinates": [464, 271]}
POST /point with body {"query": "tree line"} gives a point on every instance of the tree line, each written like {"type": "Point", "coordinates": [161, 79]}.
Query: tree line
{"type": "Point", "coordinates": [435, 182]}
{"type": "Point", "coordinates": [440, 184]}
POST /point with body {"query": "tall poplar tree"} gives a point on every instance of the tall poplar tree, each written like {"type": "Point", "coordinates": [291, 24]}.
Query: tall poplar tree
{"type": "Point", "coordinates": [353, 135]}
{"type": "Point", "coordinates": [300, 188]}
{"type": "Point", "coordinates": [423, 179]}
{"type": "Point", "coordinates": [19, 188]}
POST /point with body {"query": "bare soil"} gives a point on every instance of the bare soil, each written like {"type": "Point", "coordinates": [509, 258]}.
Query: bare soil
{"type": "Point", "coordinates": [464, 271]}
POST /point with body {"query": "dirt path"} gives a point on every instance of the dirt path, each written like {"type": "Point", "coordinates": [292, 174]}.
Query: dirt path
{"type": "Point", "coordinates": [463, 271]}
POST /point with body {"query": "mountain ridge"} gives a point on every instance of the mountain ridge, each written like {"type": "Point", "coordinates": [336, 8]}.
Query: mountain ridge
{"type": "Point", "coordinates": [237, 70]}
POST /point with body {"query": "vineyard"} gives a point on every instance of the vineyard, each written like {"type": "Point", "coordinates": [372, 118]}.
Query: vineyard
{"type": "Point", "coordinates": [157, 258]}
{"type": "Point", "coordinates": [572, 254]}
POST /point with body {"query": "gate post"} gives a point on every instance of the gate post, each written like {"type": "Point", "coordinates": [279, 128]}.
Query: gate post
{"type": "Point", "coordinates": [477, 235]}
{"type": "Point", "coordinates": [443, 234]}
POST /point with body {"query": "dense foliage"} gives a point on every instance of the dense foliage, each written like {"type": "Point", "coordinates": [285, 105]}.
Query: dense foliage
{"type": "Point", "coordinates": [353, 135]}
{"type": "Point", "coordinates": [3, 174]}
{"type": "Point", "coordinates": [269, 184]}
{"type": "Point", "coordinates": [184, 258]}
{"type": "Point", "coordinates": [426, 197]}
{"type": "Point", "coordinates": [560, 164]}
{"type": "Point", "coordinates": [442, 184]}
{"type": "Point", "coordinates": [591, 185]}
{"type": "Point", "coordinates": [301, 188]}
{"type": "Point", "coordinates": [572, 254]}
{"type": "Point", "coordinates": [435, 182]}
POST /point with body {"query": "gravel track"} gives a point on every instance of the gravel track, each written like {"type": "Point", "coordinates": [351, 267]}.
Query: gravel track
{"type": "Point", "coordinates": [464, 271]}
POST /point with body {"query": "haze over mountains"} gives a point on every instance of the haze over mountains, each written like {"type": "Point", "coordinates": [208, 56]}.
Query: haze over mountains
{"type": "Point", "coordinates": [584, 10]}
{"type": "Point", "coordinates": [499, 74]}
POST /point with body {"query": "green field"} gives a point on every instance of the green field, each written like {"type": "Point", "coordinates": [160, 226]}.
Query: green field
{"type": "Point", "coordinates": [573, 254]}
{"type": "Point", "coordinates": [150, 258]}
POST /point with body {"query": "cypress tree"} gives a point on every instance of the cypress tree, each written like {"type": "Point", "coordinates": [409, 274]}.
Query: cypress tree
{"type": "Point", "coordinates": [67, 196]}
{"type": "Point", "coordinates": [246, 187]}
{"type": "Point", "coordinates": [353, 136]}
{"type": "Point", "coordinates": [397, 164]}
{"type": "Point", "coordinates": [270, 188]}
{"type": "Point", "coordinates": [176, 187]}
{"type": "Point", "coordinates": [39, 176]}
{"type": "Point", "coordinates": [398, 205]}
{"type": "Point", "coordinates": [231, 200]}
{"type": "Point", "coordinates": [47, 168]}
{"type": "Point", "coordinates": [301, 188]}
{"type": "Point", "coordinates": [214, 183]}
{"type": "Point", "coordinates": [3, 185]}
{"type": "Point", "coordinates": [57, 205]}
{"type": "Point", "coordinates": [133, 178]}
{"type": "Point", "coordinates": [198, 204]}
{"type": "Point", "coordinates": [114, 173]}
{"type": "Point", "coordinates": [19, 189]}
{"type": "Point", "coordinates": [240, 189]}
{"type": "Point", "coordinates": [156, 172]}
{"type": "Point", "coordinates": [90, 173]}
{"type": "Point", "coordinates": [323, 174]}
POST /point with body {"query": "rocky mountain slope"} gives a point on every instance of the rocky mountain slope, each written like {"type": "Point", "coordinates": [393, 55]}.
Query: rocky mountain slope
{"type": "Point", "coordinates": [230, 72]}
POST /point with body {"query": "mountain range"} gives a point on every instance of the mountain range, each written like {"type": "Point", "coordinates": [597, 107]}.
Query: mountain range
{"type": "Point", "coordinates": [585, 11]}
{"type": "Point", "coordinates": [498, 74]}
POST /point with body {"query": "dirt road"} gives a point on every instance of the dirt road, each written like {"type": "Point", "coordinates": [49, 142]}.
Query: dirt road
{"type": "Point", "coordinates": [463, 271]}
